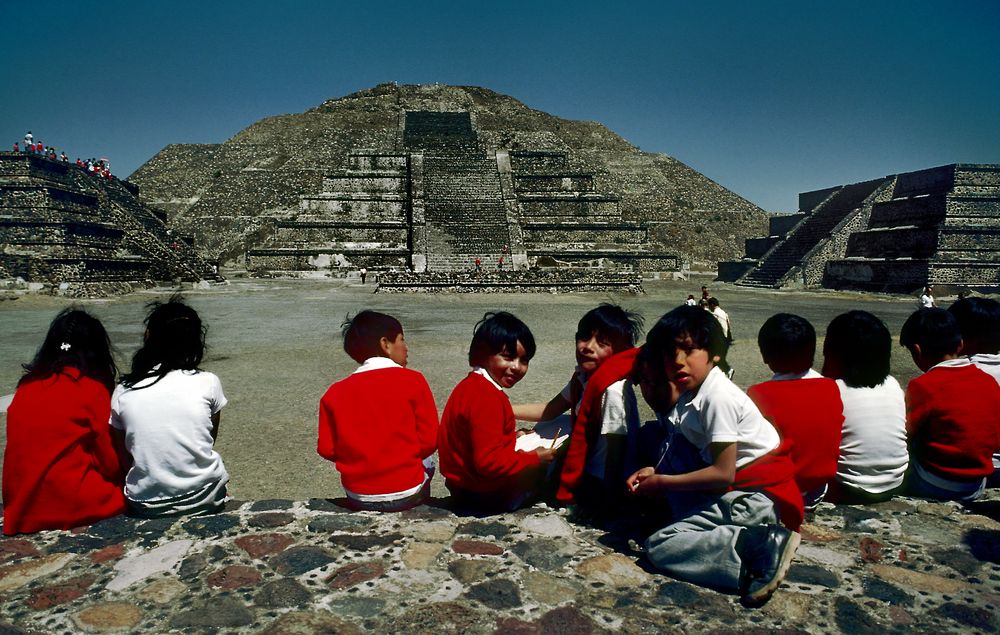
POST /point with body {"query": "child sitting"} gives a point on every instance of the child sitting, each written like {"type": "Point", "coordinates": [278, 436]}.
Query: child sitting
{"type": "Point", "coordinates": [167, 412]}
{"type": "Point", "coordinates": [979, 322]}
{"type": "Point", "coordinates": [952, 411]}
{"type": "Point", "coordinates": [60, 467]}
{"type": "Point", "coordinates": [476, 440]}
{"type": "Point", "coordinates": [732, 540]}
{"type": "Point", "coordinates": [600, 437]}
{"type": "Point", "coordinates": [873, 456]}
{"type": "Point", "coordinates": [379, 425]}
{"type": "Point", "coordinates": [803, 405]}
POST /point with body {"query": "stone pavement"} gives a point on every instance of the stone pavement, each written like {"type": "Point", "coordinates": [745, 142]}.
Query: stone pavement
{"type": "Point", "coordinates": [279, 566]}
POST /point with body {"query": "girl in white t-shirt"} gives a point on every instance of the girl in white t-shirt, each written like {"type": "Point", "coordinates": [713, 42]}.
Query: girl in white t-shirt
{"type": "Point", "coordinates": [167, 411]}
{"type": "Point", "coordinates": [873, 453]}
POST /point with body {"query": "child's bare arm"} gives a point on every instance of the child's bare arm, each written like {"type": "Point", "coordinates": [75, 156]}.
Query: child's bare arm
{"type": "Point", "coordinates": [717, 476]}
{"type": "Point", "coordinates": [542, 411]}
{"type": "Point", "coordinates": [216, 418]}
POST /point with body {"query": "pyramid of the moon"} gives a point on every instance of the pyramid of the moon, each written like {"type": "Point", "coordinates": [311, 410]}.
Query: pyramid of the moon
{"type": "Point", "coordinates": [433, 177]}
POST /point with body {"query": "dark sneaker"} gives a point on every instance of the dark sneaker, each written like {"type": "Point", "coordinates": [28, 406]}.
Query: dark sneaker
{"type": "Point", "coordinates": [767, 554]}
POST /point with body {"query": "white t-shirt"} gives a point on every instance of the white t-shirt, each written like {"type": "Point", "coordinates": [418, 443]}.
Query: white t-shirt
{"type": "Point", "coordinates": [722, 413]}
{"type": "Point", "coordinates": [614, 420]}
{"type": "Point", "coordinates": [723, 319]}
{"type": "Point", "coordinates": [927, 301]}
{"type": "Point", "coordinates": [168, 431]}
{"type": "Point", "coordinates": [873, 455]}
{"type": "Point", "coordinates": [989, 363]}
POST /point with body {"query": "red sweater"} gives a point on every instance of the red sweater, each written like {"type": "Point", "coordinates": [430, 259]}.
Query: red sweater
{"type": "Point", "coordinates": [587, 421]}
{"type": "Point", "coordinates": [953, 421]}
{"type": "Point", "coordinates": [809, 414]}
{"type": "Point", "coordinates": [476, 441]}
{"type": "Point", "coordinates": [60, 469]}
{"type": "Point", "coordinates": [378, 426]}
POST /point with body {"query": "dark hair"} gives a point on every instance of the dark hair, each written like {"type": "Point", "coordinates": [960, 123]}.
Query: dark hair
{"type": "Point", "coordinates": [174, 340]}
{"type": "Point", "coordinates": [498, 332]}
{"type": "Point", "coordinates": [364, 331]}
{"type": "Point", "coordinates": [787, 343]}
{"type": "Point", "coordinates": [75, 338]}
{"type": "Point", "coordinates": [620, 326]}
{"type": "Point", "coordinates": [857, 349]}
{"type": "Point", "coordinates": [691, 321]}
{"type": "Point", "coordinates": [935, 330]}
{"type": "Point", "coordinates": [713, 302]}
{"type": "Point", "coordinates": [979, 322]}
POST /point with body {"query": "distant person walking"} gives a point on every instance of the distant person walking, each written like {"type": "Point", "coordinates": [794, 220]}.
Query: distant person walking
{"type": "Point", "coordinates": [691, 301]}
{"type": "Point", "coordinates": [722, 317]}
{"type": "Point", "coordinates": [364, 274]}
{"type": "Point", "coordinates": [29, 143]}
{"type": "Point", "coordinates": [927, 298]}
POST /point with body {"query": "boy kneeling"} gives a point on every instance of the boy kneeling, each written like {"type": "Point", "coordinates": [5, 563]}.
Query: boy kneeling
{"type": "Point", "coordinates": [727, 537]}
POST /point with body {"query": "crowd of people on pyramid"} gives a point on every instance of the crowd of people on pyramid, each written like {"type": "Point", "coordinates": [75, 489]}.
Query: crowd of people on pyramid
{"type": "Point", "coordinates": [721, 478]}
{"type": "Point", "coordinates": [96, 167]}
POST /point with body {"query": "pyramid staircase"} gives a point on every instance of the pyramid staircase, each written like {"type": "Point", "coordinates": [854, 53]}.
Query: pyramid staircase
{"type": "Point", "coordinates": [784, 259]}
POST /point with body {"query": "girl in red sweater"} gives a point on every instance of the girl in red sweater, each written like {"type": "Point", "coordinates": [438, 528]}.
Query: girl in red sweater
{"type": "Point", "coordinates": [476, 440]}
{"type": "Point", "coordinates": [60, 468]}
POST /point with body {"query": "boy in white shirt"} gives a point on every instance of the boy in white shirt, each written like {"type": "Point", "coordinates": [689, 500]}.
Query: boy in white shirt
{"type": "Point", "coordinates": [730, 541]}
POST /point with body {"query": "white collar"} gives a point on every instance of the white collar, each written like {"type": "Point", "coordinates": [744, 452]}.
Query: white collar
{"type": "Point", "coordinates": [958, 362]}
{"type": "Point", "coordinates": [714, 376]}
{"type": "Point", "coordinates": [809, 374]}
{"type": "Point", "coordinates": [376, 363]}
{"type": "Point", "coordinates": [479, 370]}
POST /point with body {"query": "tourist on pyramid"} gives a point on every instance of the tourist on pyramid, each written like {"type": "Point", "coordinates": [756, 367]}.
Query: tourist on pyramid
{"type": "Point", "coordinates": [29, 144]}
{"type": "Point", "coordinates": [602, 442]}
{"type": "Point", "coordinates": [873, 453]}
{"type": "Point", "coordinates": [483, 470]}
{"type": "Point", "coordinates": [952, 412]}
{"type": "Point", "coordinates": [379, 425]}
{"type": "Point", "coordinates": [166, 412]}
{"type": "Point", "coordinates": [803, 405]}
{"type": "Point", "coordinates": [16, 147]}
{"type": "Point", "coordinates": [60, 467]}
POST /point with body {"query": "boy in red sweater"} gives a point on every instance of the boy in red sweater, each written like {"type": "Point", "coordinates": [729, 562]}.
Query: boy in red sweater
{"type": "Point", "coordinates": [476, 444]}
{"type": "Point", "coordinates": [803, 405]}
{"type": "Point", "coordinates": [952, 411]}
{"type": "Point", "coordinates": [379, 425]}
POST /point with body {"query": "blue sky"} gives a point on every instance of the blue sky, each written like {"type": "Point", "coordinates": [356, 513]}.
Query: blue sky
{"type": "Point", "coordinates": [768, 98]}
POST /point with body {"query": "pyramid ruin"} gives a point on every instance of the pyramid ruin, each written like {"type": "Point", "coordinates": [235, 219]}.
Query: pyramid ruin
{"type": "Point", "coordinates": [939, 226]}
{"type": "Point", "coordinates": [433, 177]}
{"type": "Point", "coordinates": [60, 225]}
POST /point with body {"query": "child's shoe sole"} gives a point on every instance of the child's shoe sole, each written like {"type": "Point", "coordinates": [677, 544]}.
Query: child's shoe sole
{"type": "Point", "coordinates": [762, 594]}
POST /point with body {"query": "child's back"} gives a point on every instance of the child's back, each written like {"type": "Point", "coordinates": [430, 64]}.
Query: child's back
{"type": "Point", "coordinates": [873, 454]}
{"type": "Point", "coordinates": [953, 411]}
{"type": "Point", "coordinates": [168, 431]}
{"type": "Point", "coordinates": [804, 406]}
{"type": "Point", "coordinates": [167, 411]}
{"type": "Point", "coordinates": [810, 414]}
{"type": "Point", "coordinates": [379, 425]}
{"type": "Point", "coordinates": [953, 420]}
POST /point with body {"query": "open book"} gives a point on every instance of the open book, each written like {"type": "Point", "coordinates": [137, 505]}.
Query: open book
{"type": "Point", "coordinates": [533, 441]}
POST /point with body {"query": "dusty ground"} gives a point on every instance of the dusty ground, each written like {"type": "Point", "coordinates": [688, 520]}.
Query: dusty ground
{"type": "Point", "coordinates": [276, 347]}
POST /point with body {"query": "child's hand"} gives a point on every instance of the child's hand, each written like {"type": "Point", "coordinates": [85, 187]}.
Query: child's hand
{"type": "Point", "coordinates": [520, 433]}
{"type": "Point", "coordinates": [545, 455]}
{"type": "Point", "coordinates": [633, 482]}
